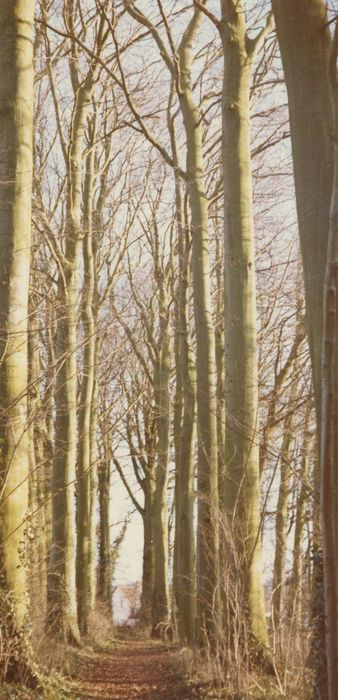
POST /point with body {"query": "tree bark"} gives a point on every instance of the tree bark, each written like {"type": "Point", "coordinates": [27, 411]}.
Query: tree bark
{"type": "Point", "coordinates": [16, 162]}
{"type": "Point", "coordinates": [104, 586]}
{"type": "Point", "coordinates": [148, 568]}
{"type": "Point", "coordinates": [241, 496]}
{"type": "Point", "coordinates": [281, 526]}
{"type": "Point", "coordinates": [207, 479]}
{"type": "Point", "coordinates": [160, 610]}
{"type": "Point", "coordinates": [329, 428]}
{"type": "Point", "coordinates": [38, 493]}
{"type": "Point", "coordinates": [297, 583]}
{"type": "Point", "coordinates": [184, 434]}
{"type": "Point", "coordinates": [62, 590]}
{"type": "Point", "coordinates": [304, 42]}
{"type": "Point", "coordinates": [86, 484]}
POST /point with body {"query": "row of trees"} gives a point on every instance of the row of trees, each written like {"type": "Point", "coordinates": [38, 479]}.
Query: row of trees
{"type": "Point", "coordinates": [154, 322]}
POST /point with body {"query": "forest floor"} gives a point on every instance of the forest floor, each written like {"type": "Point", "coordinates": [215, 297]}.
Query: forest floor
{"type": "Point", "coordinates": [127, 666]}
{"type": "Point", "coordinates": [133, 669]}
{"type": "Point", "coordinates": [126, 669]}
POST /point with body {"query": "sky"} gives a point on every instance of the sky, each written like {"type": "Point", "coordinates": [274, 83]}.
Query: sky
{"type": "Point", "coordinates": [129, 564]}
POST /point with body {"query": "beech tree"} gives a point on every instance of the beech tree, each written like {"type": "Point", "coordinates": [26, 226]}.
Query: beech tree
{"type": "Point", "coordinates": [241, 484]}
{"type": "Point", "coordinates": [16, 163]}
{"type": "Point", "coordinates": [305, 40]}
{"type": "Point", "coordinates": [328, 425]}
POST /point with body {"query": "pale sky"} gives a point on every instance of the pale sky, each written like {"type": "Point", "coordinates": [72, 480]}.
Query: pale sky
{"type": "Point", "coordinates": [129, 564]}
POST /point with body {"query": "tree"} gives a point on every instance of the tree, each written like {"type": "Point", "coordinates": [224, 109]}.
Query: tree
{"type": "Point", "coordinates": [62, 588]}
{"type": "Point", "coordinates": [305, 44]}
{"type": "Point", "coordinates": [241, 482]}
{"type": "Point", "coordinates": [329, 437]}
{"type": "Point", "coordinates": [16, 162]}
{"type": "Point", "coordinates": [180, 68]}
{"type": "Point", "coordinates": [155, 321]}
{"type": "Point", "coordinates": [184, 433]}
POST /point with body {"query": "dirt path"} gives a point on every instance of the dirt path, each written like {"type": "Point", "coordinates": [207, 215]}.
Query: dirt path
{"type": "Point", "coordinates": [134, 669]}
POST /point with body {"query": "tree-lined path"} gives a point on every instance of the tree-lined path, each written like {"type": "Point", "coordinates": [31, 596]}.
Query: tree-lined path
{"type": "Point", "coordinates": [140, 669]}
{"type": "Point", "coordinates": [168, 348]}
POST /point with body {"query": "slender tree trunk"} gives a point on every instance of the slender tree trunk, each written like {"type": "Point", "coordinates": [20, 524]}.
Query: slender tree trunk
{"type": "Point", "coordinates": [281, 527]}
{"type": "Point", "coordinates": [241, 485]}
{"type": "Point", "coordinates": [49, 403]}
{"type": "Point", "coordinates": [104, 585]}
{"type": "Point", "coordinates": [93, 478]}
{"type": "Point", "coordinates": [62, 584]}
{"type": "Point", "coordinates": [148, 570]}
{"type": "Point", "coordinates": [220, 365]}
{"type": "Point", "coordinates": [186, 601]}
{"type": "Point", "coordinates": [207, 531]}
{"type": "Point", "coordinates": [16, 161]}
{"type": "Point", "coordinates": [162, 406]}
{"type": "Point", "coordinates": [297, 585]}
{"type": "Point", "coordinates": [62, 591]}
{"type": "Point", "coordinates": [84, 465]}
{"type": "Point", "coordinates": [37, 550]}
{"type": "Point", "coordinates": [185, 438]}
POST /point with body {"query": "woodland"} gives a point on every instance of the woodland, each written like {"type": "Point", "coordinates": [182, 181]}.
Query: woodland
{"type": "Point", "coordinates": [168, 317]}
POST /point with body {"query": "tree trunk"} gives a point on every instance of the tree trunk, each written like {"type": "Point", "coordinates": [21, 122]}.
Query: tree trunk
{"type": "Point", "coordinates": [16, 161]}
{"type": "Point", "coordinates": [93, 478]}
{"type": "Point", "coordinates": [62, 590]}
{"type": "Point", "coordinates": [297, 584]}
{"type": "Point", "coordinates": [86, 486]}
{"type": "Point", "coordinates": [207, 480]}
{"type": "Point", "coordinates": [305, 45]}
{"type": "Point", "coordinates": [104, 584]}
{"type": "Point", "coordinates": [162, 407]}
{"type": "Point", "coordinates": [241, 485]}
{"type": "Point", "coordinates": [220, 364]}
{"type": "Point", "coordinates": [148, 570]}
{"type": "Point", "coordinates": [37, 549]}
{"type": "Point", "coordinates": [281, 527]}
{"type": "Point", "coordinates": [304, 41]}
{"type": "Point", "coordinates": [329, 428]}
{"type": "Point", "coordinates": [185, 438]}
